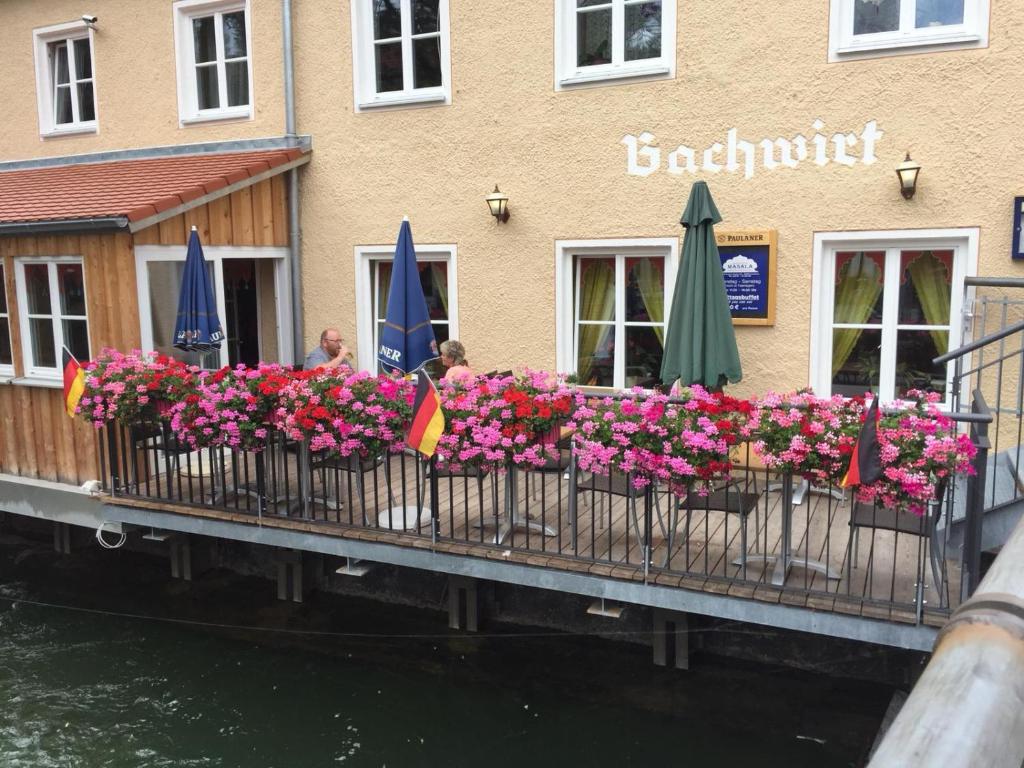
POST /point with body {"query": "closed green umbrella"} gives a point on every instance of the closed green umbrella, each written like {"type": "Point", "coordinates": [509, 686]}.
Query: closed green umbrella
{"type": "Point", "coordinates": [700, 345]}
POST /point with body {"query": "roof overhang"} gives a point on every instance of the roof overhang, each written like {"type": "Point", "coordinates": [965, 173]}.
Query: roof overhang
{"type": "Point", "coordinates": [257, 161]}
{"type": "Point", "coordinates": [149, 221]}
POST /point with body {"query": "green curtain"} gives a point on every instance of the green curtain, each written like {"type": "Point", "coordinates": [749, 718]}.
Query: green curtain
{"type": "Point", "coordinates": [439, 277]}
{"type": "Point", "coordinates": [597, 302]}
{"type": "Point", "coordinates": [652, 291]}
{"type": "Point", "coordinates": [383, 285]}
{"type": "Point", "coordinates": [856, 294]}
{"type": "Point", "coordinates": [932, 284]}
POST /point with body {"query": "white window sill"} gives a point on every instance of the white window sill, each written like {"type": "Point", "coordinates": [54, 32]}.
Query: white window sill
{"type": "Point", "coordinates": [39, 381]}
{"type": "Point", "coordinates": [404, 100]}
{"type": "Point", "coordinates": [587, 78]}
{"type": "Point", "coordinates": [959, 39]}
{"type": "Point", "coordinates": [212, 117]}
{"type": "Point", "coordinates": [6, 378]}
{"type": "Point", "coordinates": [70, 130]}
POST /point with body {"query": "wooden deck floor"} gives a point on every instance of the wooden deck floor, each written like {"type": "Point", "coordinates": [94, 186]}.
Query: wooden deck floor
{"type": "Point", "coordinates": [608, 536]}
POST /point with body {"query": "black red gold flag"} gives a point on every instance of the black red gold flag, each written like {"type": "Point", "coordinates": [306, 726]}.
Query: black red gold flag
{"type": "Point", "coordinates": [866, 459]}
{"type": "Point", "coordinates": [427, 419]}
{"type": "Point", "coordinates": [74, 382]}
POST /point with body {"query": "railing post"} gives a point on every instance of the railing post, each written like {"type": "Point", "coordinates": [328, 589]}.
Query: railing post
{"type": "Point", "coordinates": [573, 501]}
{"type": "Point", "coordinates": [787, 525]}
{"type": "Point", "coordinates": [112, 451]}
{"type": "Point", "coordinates": [435, 512]}
{"type": "Point", "coordinates": [975, 502]}
{"type": "Point", "coordinates": [648, 511]}
{"type": "Point", "coordinates": [261, 481]}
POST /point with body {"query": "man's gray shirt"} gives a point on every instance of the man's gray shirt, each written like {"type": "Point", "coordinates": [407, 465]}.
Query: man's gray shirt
{"type": "Point", "coordinates": [315, 358]}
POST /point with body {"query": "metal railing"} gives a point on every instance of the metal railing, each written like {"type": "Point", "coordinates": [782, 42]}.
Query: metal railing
{"type": "Point", "coordinates": [992, 364]}
{"type": "Point", "coordinates": [760, 532]}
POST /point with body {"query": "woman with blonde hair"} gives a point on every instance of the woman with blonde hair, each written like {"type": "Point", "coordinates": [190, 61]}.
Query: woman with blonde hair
{"type": "Point", "coordinates": [453, 357]}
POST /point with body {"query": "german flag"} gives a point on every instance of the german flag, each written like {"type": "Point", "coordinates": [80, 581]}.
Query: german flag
{"type": "Point", "coordinates": [866, 460]}
{"type": "Point", "coordinates": [74, 382]}
{"type": "Point", "coordinates": [427, 419]}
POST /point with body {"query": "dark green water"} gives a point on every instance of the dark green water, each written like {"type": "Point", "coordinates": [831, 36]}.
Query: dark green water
{"type": "Point", "coordinates": [92, 689]}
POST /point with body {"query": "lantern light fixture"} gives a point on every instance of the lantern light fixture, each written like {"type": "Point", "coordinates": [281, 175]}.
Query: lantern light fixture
{"type": "Point", "coordinates": [907, 172]}
{"type": "Point", "coordinates": [497, 202]}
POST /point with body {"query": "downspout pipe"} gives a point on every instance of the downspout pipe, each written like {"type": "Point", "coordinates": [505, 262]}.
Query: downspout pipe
{"type": "Point", "coordinates": [294, 234]}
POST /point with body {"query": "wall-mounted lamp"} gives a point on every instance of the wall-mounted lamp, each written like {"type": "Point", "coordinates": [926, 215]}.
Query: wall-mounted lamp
{"type": "Point", "coordinates": [907, 172]}
{"type": "Point", "coordinates": [497, 201]}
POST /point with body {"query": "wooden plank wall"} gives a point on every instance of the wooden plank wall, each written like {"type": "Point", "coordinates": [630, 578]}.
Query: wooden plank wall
{"type": "Point", "coordinates": [37, 439]}
{"type": "Point", "coordinates": [256, 215]}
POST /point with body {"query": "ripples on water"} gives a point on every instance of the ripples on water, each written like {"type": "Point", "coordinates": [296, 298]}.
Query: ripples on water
{"type": "Point", "coordinates": [92, 690]}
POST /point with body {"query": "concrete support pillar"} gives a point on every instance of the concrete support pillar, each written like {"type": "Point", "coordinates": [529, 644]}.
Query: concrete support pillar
{"type": "Point", "coordinates": [290, 581]}
{"type": "Point", "coordinates": [463, 604]}
{"type": "Point", "coordinates": [181, 558]}
{"type": "Point", "coordinates": [62, 538]}
{"type": "Point", "coordinates": [671, 639]}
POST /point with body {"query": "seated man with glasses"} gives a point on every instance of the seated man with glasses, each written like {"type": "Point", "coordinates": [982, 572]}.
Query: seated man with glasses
{"type": "Point", "coordinates": [331, 353]}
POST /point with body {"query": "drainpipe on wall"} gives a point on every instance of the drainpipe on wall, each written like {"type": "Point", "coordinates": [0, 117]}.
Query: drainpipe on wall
{"type": "Point", "coordinates": [294, 235]}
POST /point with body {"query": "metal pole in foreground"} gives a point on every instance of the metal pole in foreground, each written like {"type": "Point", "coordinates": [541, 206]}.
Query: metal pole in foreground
{"type": "Point", "coordinates": [968, 707]}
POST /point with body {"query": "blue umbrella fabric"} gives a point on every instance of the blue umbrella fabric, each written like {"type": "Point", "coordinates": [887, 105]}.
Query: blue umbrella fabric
{"type": "Point", "coordinates": [407, 339]}
{"type": "Point", "coordinates": [197, 328]}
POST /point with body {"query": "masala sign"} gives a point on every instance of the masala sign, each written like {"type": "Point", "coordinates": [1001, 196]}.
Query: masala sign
{"type": "Point", "coordinates": [748, 265]}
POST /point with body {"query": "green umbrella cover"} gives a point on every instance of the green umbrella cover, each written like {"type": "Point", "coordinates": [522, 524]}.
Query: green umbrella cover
{"type": "Point", "coordinates": [700, 344]}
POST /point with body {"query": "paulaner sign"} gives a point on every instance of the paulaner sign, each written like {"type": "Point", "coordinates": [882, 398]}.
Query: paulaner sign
{"type": "Point", "coordinates": [644, 157]}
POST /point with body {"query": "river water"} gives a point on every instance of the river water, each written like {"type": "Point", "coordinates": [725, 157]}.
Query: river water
{"type": "Point", "coordinates": [84, 681]}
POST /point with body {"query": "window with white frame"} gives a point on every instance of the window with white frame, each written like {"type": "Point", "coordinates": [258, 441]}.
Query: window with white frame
{"type": "Point", "coordinates": [400, 51]}
{"type": "Point", "coordinates": [52, 313]}
{"type": "Point", "coordinates": [886, 305]}
{"type": "Point", "coordinates": [869, 27]}
{"type": "Point", "coordinates": [251, 288]}
{"type": "Point", "coordinates": [612, 310]}
{"type": "Point", "coordinates": [6, 356]}
{"type": "Point", "coordinates": [213, 44]}
{"type": "Point", "coordinates": [437, 267]}
{"type": "Point", "coordinates": [64, 79]}
{"type": "Point", "coordinates": [599, 40]}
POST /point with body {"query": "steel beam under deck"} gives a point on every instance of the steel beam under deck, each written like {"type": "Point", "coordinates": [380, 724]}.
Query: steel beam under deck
{"type": "Point", "coordinates": [907, 636]}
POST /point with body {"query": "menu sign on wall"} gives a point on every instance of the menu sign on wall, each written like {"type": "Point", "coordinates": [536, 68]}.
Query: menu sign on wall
{"type": "Point", "coordinates": [1018, 227]}
{"type": "Point", "coordinates": [748, 266]}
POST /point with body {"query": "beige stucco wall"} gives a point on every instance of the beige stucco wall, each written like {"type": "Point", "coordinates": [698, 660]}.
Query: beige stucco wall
{"type": "Point", "coordinates": [759, 66]}
{"type": "Point", "coordinates": [135, 80]}
{"type": "Point", "coordinates": [755, 65]}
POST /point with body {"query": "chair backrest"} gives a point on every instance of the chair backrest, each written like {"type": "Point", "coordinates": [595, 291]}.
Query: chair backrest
{"type": "Point", "coordinates": [615, 483]}
{"type": "Point", "coordinates": [940, 499]}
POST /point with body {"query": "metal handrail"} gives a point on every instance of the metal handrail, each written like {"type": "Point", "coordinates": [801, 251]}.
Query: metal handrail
{"type": "Point", "coordinates": [982, 342]}
{"type": "Point", "coordinates": [965, 710]}
{"type": "Point", "coordinates": [994, 282]}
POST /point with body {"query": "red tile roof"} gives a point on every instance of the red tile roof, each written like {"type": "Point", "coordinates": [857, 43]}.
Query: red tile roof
{"type": "Point", "coordinates": [133, 189]}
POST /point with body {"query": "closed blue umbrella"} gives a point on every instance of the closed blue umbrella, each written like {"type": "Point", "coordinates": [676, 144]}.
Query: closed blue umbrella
{"type": "Point", "coordinates": [407, 339]}
{"type": "Point", "coordinates": [197, 328]}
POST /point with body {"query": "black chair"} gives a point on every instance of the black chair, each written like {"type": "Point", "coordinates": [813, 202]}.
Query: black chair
{"type": "Point", "coordinates": [158, 444]}
{"type": "Point", "coordinates": [356, 468]}
{"type": "Point", "coordinates": [621, 484]}
{"type": "Point", "coordinates": [554, 465]}
{"type": "Point", "coordinates": [469, 473]}
{"type": "Point", "coordinates": [925, 527]}
{"type": "Point", "coordinates": [732, 497]}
